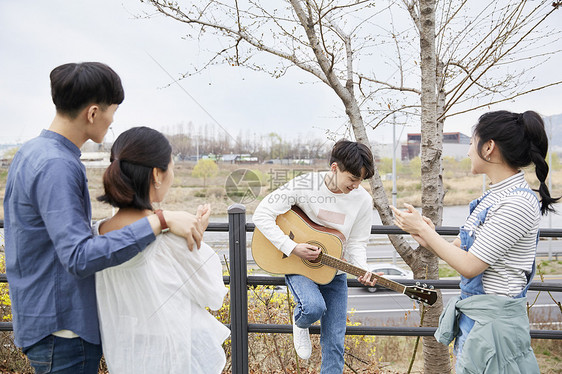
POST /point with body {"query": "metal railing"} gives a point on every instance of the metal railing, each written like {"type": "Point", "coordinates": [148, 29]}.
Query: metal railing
{"type": "Point", "coordinates": [239, 282]}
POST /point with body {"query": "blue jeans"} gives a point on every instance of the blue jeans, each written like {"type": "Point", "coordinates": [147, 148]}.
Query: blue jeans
{"type": "Point", "coordinates": [53, 354]}
{"type": "Point", "coordinates": [465, 325]}
{"type": "Point", "coordinates": [327, 303]}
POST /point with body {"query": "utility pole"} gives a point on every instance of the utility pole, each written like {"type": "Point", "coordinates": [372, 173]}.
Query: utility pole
{"type": "Point", "coordinates": [394, 189]}
{"type": "Point", "coordinates": [197, 145]}
{"type": "Point", "coordinates": [394, 146]}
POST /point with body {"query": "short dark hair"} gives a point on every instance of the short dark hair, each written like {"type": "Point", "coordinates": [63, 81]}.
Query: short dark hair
{"type": "Point", "coordinates": [76, 85]}
{"type": "Point", "coordinates": [521, 140]}
{"type": "Point", "coordinates": [134, 154]}
{"type": "Point", "coordinates": [353, 157]}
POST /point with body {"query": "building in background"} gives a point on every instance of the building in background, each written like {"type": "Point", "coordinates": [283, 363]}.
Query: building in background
{"type": "Point", "coordinates": [455, 144]}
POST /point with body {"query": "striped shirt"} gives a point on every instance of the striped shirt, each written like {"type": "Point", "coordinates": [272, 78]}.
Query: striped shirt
{"type": "Point", "coordinates": [507, 239]}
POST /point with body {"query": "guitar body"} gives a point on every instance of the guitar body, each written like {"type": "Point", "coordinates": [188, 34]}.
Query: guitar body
{"type": "Point", "coordinates": [301, 229]}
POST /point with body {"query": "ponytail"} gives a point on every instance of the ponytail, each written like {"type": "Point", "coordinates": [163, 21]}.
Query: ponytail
{"type": "Point", "coordinates": [522, 140]}
{"type": "Point", "coordinates": [119, 186]}
{"type": "Point", "coordinates": [536, 134]}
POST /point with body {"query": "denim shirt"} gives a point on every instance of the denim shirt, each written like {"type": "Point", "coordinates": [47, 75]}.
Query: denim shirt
{"type": "Point", "coordinates": [51, 253]}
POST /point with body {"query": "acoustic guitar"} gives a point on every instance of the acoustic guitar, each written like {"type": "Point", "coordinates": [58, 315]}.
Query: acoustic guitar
{"type": "Point", "coordinates": [323, 269]}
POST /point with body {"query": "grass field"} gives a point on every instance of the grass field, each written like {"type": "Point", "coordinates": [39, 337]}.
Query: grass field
{"type": "Point", "coordinates": [188, 191]}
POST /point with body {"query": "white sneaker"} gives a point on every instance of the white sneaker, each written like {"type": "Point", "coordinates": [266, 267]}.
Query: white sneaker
{"type": "Point", "coordinates": [301, 340]}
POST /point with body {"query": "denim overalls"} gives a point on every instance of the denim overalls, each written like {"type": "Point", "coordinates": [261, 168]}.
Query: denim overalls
{"type": "Point", "coordinates": [474, 286]}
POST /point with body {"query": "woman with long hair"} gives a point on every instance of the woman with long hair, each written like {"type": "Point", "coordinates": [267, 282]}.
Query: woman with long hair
{"type": "Point", "coordinates": [495, 250]}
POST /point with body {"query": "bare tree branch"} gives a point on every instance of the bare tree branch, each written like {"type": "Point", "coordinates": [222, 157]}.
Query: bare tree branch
{"type": "Point", "coordinates": [391, 86]}
{"type": "Point", "coordinates": [462, 90]}
{"type": "Point", "coordinates": [503, 100]}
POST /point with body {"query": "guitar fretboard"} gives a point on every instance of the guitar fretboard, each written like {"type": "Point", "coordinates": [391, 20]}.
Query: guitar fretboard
{"type": "Point", "coordinates": [357, 271]}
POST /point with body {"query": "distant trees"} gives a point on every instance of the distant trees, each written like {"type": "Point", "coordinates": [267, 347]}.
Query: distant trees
{"type": "Point", "coordinates": [187, 141]}
{"type": "Point", "coordinates": [10, 153]}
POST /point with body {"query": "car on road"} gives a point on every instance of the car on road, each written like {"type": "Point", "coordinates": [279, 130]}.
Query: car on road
{"type": "Point", "coordinates": [389, 271]}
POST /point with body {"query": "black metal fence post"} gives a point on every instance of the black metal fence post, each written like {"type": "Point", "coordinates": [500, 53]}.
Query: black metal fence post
{"type": "Point", "coordinates": [238, 289]}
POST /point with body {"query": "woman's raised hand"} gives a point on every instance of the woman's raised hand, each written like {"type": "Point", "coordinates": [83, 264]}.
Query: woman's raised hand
{"type": "Point", "coordinates": [411, 221]}
{"type": "Point", "coordinates": [203, 213]}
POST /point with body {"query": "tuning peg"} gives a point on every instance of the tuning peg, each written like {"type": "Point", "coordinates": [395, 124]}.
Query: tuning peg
{"type": "Point", "coordinates": [424, 285]}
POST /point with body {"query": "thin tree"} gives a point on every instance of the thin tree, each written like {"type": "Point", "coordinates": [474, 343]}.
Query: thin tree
{"type": "Point", "coordinates": [205, 168]}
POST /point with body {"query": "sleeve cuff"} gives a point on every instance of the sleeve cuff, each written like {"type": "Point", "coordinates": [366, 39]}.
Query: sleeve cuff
{"type": "Point", "coordinates": [142, 232]}
{"type": "Point", "coordinates": [288, 246]}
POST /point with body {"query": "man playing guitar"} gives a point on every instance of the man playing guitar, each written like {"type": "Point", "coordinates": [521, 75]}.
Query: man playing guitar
{"type": "Point", "coordinates": [334, 199]}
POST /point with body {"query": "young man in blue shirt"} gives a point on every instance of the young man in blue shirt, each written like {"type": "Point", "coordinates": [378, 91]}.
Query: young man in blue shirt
{"type": "Point", "coordinates": [51, 254]}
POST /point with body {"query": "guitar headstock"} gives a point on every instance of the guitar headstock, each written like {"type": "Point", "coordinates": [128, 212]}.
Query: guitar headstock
{"type": "Point", "coordinates": [421, 293]}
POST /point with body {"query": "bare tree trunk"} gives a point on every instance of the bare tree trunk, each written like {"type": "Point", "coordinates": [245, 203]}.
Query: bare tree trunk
{"type": "Point", "coordinates": [382, 204]}
{"type": "Point", "coordinates": [346, 94]}
{"type": "Point", "coordinates": [436, 355]}
{"type": "Point", "coordinates": [380, 200]}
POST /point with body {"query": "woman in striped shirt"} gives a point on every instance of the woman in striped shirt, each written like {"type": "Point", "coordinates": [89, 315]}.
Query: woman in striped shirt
{"type": "Point", "coordinates": [495, 250]}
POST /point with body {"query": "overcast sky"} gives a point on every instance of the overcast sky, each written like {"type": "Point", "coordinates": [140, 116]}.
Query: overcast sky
{"type": "Point", "coordinates": [38, 35]}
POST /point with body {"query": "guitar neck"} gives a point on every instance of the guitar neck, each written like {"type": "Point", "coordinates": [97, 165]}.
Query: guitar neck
{"type": "Point", "coordinates": [357, 271]}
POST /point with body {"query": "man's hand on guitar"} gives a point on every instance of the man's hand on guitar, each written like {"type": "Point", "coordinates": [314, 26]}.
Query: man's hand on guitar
{"type": "Point", "coordinates": [306, 251]}
{"type": "Point", "coordinates": [366, 279]}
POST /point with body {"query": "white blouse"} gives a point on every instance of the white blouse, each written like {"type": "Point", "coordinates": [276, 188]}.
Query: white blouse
{"type": "Point", "coordinates": [152, 310]}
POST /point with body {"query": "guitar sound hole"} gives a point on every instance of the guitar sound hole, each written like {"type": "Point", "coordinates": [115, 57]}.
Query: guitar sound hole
{"type": "Point", "coordinates": [316, 262]}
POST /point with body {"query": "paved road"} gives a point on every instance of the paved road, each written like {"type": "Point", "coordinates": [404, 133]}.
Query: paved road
{"type": "Point", "coordinates": [388, 308]}
{"type": "Point", "coordinates": [378, 250]}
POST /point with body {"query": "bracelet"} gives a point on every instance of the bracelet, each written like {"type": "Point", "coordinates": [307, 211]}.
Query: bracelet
{"type": "Point", "coordinates": [163, 223]}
